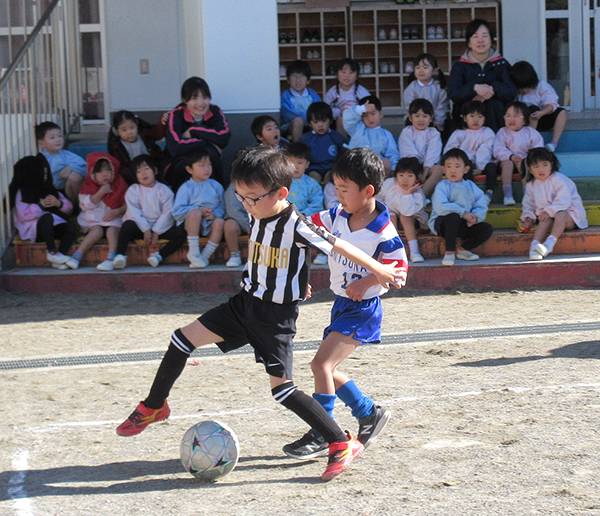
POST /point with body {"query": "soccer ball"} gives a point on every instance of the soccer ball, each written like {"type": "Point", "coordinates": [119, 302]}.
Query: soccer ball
{"type": "Point", "coordinates": [209, 450]}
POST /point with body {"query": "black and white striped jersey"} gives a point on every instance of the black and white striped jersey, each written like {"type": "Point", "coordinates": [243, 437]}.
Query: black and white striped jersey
{"type": "Point", "coordinates": [279, 255]}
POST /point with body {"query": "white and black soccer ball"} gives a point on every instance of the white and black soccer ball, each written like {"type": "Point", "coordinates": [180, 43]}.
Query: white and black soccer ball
{"type": "Point", "coordinates": [209, 450]}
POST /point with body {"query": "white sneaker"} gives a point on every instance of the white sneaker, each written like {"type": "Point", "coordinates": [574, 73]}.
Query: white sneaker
{"type": "Point", "coordinates": [488, 198]}
{"type": "Point", "coordinates": [234, 261]}
{"type": "Point", "coordinates": [535, 256]}
{"type": "Point", "coordinates": [106, 265]}
{"type": "Point", "coordinates": [56, 258]}
{"type": "Point", "coordinates": [509, 201]}
{"type": "Point", "coordinates": [550, 147]}
{"type": "Point", "coordinates": [197, 261]}
{"type": "Point", "coordinates": [72, 263]}
{"type": "Point", "coordinates": [154, 259]}
{"type": "Point", "coordinates": [416, 257]}
{"type": "Point", "coordinates": [463, 254]}
{"type": "Point", "coordinates": [448, 259]}
{"type": "Point", "coordinates": [542, 250]}
{"type": "Point", "coordinates": [120, 261]}
{"type": "Point", "coordinates": [60, 266]}
{"type": "Point", "coordinates": [320, 259]}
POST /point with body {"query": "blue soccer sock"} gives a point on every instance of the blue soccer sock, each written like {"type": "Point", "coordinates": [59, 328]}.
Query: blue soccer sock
{"type": "Point", "coordinates": [352, 396]}
{"type": "Point", "coordinates": [327, 401]}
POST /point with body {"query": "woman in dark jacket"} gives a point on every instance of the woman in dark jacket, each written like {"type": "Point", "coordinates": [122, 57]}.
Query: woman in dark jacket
{"type": "Point", "coordinates": [481, 74]}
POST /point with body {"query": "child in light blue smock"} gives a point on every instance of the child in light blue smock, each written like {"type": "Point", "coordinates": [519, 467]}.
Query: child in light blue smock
{"type": "Point", "coordinates": [363, 124]}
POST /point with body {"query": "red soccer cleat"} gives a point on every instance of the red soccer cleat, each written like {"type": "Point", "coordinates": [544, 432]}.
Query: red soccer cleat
{"type": "Point", "coordinates": [341, 455]}
{"type": "Point", "coordinates": [141, 417]}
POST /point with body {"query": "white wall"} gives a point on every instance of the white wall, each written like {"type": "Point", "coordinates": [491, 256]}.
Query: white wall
{"type": "Point", "coordinates": [523, 33]}
{"type": "Point", "coordinates": [241, 54]}
{"type": "Point", "coordinates": [157, 37]}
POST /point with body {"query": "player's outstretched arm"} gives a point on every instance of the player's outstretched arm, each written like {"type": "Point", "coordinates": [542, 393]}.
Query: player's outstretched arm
{"type": "Point", "coordinates": [387, 275]}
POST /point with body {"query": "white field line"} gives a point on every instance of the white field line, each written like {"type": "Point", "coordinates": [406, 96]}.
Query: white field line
{"type": "Point", "coordinates": [16, 489]}
{"type": "Point", "coordinates": [51, 427]}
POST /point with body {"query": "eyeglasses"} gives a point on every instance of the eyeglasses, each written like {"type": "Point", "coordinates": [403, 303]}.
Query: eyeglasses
{"type": "Point", "coordinates": [250, 201]}
{"type": "Point", "coordinates": [513, 117]}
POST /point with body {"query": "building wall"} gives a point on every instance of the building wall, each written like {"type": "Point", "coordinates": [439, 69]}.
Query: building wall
{"type": "Point", "coordinates": [523, 32]}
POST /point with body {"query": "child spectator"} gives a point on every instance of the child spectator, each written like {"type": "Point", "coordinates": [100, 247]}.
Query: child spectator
{"type": "Point", "coordinates": [305, 192]}
{"type": "Point", "coordinates": [551, 200]}
{"type": "Point", "coordinates": [511, 145]}
{"type": "Point", "coordinates": [477, 141]}
{"type": "Point", "coordinates": [264, 313]}
{"type": "Point", "coordinates": [363, 124]}
{"type": "Point", "coordinates": [237, 222]}
{"type": "Point", "coordinates": [41, 212]}
{"type": "Point", "coordinates": [325, 144]}
{"type": "Point", "coordinates": [429, 82]}
{"type": "Point", "coordinates": [295, 101]}
{"type": "Point", "coordinates": [356, 316]}
{"type": "Point", "coordinates": [102, 202]}
{"type": "Point", "coordinates": [68, 169]}
{"type": "Point", "coordinates": [458, 209]}
{"type": "Point", "coordinates": [149, 214]}
{"type": "Point", "coordinates": [405, 200]}
{"type": "Point", "coordinates": [330, 196]}
{"type": "Point", "coordinates": [200, 206]}
{"type": "Point", "coordinates": [544, 112]}
{"type": "Point", "coordinates": [130, 137]}
{"type": "Point", "coordinates": [423, 142]}
{"type": "Point", "coordinates": [195, 123]}
{"type": "Point", "coordinates": [266, 131]}
{"type": "Point", "coordinates": [346, 92]}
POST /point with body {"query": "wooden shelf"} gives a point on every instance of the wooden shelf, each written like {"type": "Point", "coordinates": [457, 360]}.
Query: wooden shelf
{"type": "Point", "coordinates": [361, 23]}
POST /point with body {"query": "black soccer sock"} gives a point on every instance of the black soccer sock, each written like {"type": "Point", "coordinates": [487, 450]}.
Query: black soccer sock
{"type": "Point", "coordinates": [169, 370]}
{"type": "Point", "coordinates": [310, 411]}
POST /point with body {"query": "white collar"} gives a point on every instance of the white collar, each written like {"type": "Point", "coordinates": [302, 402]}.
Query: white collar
{"type": "Point", "coordinates": [296, 94]}
{"type": "Point", "coordinates": [422, 84]}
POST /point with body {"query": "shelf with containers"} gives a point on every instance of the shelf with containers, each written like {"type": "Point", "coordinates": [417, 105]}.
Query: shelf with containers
{"type": "Point", "coordinates": [317, 36]}
{"type": "Point", "coordinates": [384, 38]}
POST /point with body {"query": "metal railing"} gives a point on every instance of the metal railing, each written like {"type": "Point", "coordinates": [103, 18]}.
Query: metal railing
{"type": "Point", "coordinates": [41, 84]}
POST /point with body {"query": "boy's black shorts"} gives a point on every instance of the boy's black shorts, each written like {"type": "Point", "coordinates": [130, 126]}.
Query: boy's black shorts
{"type": "Point", "coordinates": [268, 327]}
{"type": "Point", "coordinates": [546, 123]}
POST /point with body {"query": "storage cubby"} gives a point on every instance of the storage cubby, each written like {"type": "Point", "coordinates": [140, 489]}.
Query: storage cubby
{"type": "Point", "coordinates": [383, 37]}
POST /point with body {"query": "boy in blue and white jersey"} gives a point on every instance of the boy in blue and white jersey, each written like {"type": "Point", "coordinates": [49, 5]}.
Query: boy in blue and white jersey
{"type": "Point", "coordinates": [356, 314]}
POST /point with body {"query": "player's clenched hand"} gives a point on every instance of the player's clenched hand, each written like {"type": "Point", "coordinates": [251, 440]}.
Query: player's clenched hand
{"type": "Point", "coordinates": [390, 274]}
{"type": "Point", "coordinates": [357, 289]}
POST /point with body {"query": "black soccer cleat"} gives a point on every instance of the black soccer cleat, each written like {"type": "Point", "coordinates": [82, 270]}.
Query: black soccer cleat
{"type": "Point", "coordinates": [369, 427]}
{"type": "Point", "coordinates": [310, 446]}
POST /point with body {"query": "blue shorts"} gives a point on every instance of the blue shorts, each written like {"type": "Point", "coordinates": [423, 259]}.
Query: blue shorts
{"type": "Point", "coordinates": [360, 319]}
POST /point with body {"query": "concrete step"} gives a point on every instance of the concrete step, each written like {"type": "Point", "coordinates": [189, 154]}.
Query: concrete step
{"type": "Point", "coordinates": [486, 274]}
{"type": "Point", "coordinates": [504, 242]}
{"type": "Point", "coordinates": [505, 217]}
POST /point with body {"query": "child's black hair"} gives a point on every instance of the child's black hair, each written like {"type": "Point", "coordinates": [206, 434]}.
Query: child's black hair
{"type": "Point", "coordinates": [263, 166]}
{"type": "Point", "coordinates": [521, 107]}
{"type": "Point", "coordinates": [194, 155]}
{"type": "Point", "coordinates": [409, 165]}
{"type": "Point", "coordinates": [456, 153]}
{"type": "Point", "coordinates": [473, 106]}
{"type": "Point", "coordinates": [540, 154]}
{"type": "Point", "coordinates": [361, 166]}
{"type": "Point", "coordinates": [143, 159]}
{"type": "Point", "coordinates": [473, 27]}
{"type": "Point", "coordinates": [420, 105]}
{"type": "Point", "coordinates": [298, 150]}
{"type": "Point", "coordinates": [319, 112]}
{"type": "Point", "coordinates": [354, 66]}
{"type": "Point", "coordinates": [122, 116]}
{"type": "Point", "coordinates": [371, 99]}
{"type": "Point", "coordinates": [101, 164]}
{"type": "Point", "coordinates": [438, 75]}
{"type": "Point", "coordinates": [259, 123]}
{"type": "Point", "coordinates": [193, 86]}
{"type": "Point", "coordinates": [299, 66]}
{"type": "Point", "coordinates": [523, 75]}
{"type": "Point", "coordinates": [43, 128]}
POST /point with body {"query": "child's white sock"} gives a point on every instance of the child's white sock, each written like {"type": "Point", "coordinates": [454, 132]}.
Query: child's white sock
{"type": "Point", "coordinates": [413, 245]}
{"type": "Point", "coordinates": [549, 243]}
{"type": "Point", "coordinates": [507, 190]}
{"type": "Point", "coordinates": [235, 253]}
{"type": "Point", "coordinates": [533, 244]}
{"type": "Point", "coordinates": [209, 249]}
{"type": "Point", "coordinates": [194, 244]}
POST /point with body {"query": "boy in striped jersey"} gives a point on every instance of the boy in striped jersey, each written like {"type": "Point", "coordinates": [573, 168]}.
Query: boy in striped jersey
{"type": "Point", "coordinates": [264, 312]}
{"type": "Point", "coordinates": [356, 314]}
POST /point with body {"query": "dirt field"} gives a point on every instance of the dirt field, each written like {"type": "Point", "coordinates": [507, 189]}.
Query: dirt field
{"type": "Point", "coordinates": [494, 425]}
